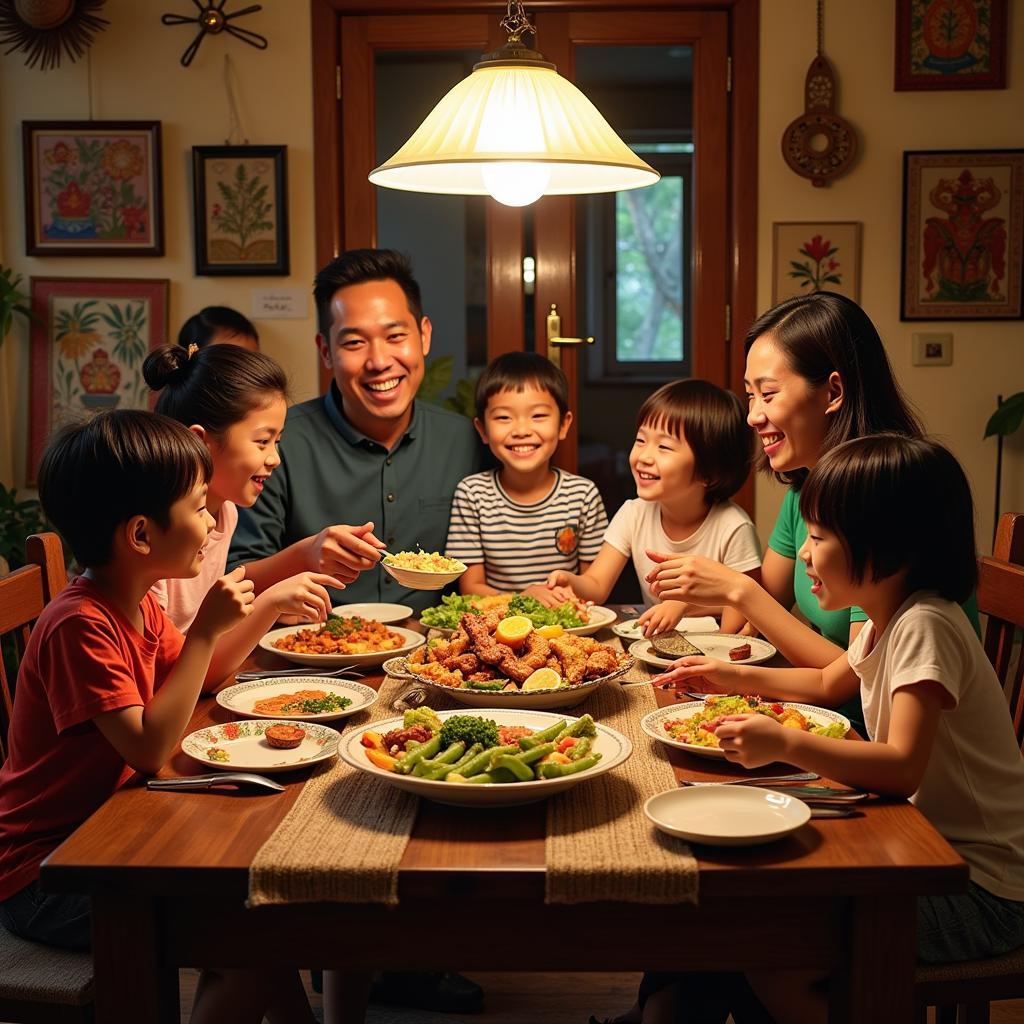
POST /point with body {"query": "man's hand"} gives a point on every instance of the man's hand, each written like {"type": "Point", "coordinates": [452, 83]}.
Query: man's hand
{"type": "Point", "coordinates": [345, 551]}
{"type": "Point", "coordinates": [227, 602]}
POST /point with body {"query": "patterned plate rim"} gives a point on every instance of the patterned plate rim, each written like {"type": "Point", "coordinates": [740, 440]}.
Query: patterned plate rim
{"type": "Point", "coordinates": [404, 673]}
{"type": "Point", "coordinates": [229, 692]}
{"type": "Point", "coordinates": [330, 739]}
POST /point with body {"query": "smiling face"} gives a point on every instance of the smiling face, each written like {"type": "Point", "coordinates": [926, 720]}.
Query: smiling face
{"type": "Point", "coordinates": [828, 568]}
{"type": "Point", "coordinates": [177, 550]}
{"type": "Point", "coordinates": [789, 415]}
{"type": "Point", "coordinates": [246, 454]}
{"type": "Point", "coordinates": [663, 466]}
{"type": "Point", "coordinates": [376, 351]}
{"type": "Point", "coordinates": [523, 428]}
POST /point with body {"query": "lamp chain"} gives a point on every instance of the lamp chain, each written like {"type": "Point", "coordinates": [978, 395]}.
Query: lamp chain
{"type": "Point", "coordinates": [516, 23]}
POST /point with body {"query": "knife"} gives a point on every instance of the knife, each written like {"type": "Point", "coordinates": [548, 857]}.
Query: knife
{"type": "Point", "coordinates": [216, 779]}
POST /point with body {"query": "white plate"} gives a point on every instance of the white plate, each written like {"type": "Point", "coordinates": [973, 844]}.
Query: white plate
{"type": "Point", "coordinates": [653, 724]}
{"type": "Point", "coordinates": [629, 630]}
{"type": "Point", "coordinates": [248, 751]}
{"type": "Point", "coordinates": [558, 697]}
{"type": "Point", "coordinates": [241, 698]}
{"type": "Point", "coordinates": [714, 645]}
{"type": "Point", "coordinates": [727, 815]}
{"type": "Point", "coordinates": [614, 747]}
{"type": "Point", "coordinates": [411, 637]}
{"type": "Point", "coordinates": [378, 612]}
{"type": "Point", "coordinates": [599, 618]}
{"type": "Point", "coordinates": [417, 579]}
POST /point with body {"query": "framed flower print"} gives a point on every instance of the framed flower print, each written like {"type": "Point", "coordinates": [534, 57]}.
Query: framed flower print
{"type": "Point", "coordinates": [815, 256]}
{"type": "Point", "coordinates": [93, 188]}
{"type": "Point", "coordinates": [87, 347]}
{"type": "Point", "coordinates": [241, 210]}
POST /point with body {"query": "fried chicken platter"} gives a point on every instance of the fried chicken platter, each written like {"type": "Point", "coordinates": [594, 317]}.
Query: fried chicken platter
{"type": "Point", "coordinates": [489, 662]}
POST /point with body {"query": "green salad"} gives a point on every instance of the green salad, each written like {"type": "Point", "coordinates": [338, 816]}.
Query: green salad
{"type": "Point", "coordinates": [454, 606]}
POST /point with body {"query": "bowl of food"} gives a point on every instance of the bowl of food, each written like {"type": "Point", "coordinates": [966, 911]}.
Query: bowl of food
{"type": "Point", "coordinates": [692, 725]}
{"type": "Point", "coordinates": [341, 641]}
{"type": "Point", "coordinates": [422, 570]}
{"type": "Point", "coordinates": [497, 757]}
{"type": "Point", "coordinates": [575, 617]}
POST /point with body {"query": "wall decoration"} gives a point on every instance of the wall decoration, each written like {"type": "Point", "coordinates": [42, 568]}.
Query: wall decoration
{"type": "Point", "coordinates": [815, 256]}
{"type": "Point", "coordinates": [963, 235]}
{"type": "Point", "coordinates": [241, 209]}
{"type": "Point", "coordinates": [87, 349]}
{"type": "Point", "coordinates": [93, 188]}
{"type": "Point", "coordinates": [212, 19]}
{"type": "Point", "coordinates": [43, 28]}
{"type": "Point", "coordinates": [950, 44]}
{"type": "Point", "coordinates": [819, 144]}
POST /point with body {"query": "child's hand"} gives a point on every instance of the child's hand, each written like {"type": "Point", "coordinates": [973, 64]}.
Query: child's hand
{"type": "Point", "coordinates": [661, 617]}
{"type": "Point", "coordinates": [705, 675]}
{"type": "Point", "coordinates": [694, 578]}
{"type": "Point", "coordinates": [549, 595]}
{"type": "Point", "coordinates": [302, 597]}
{"type": "Point", "coordinates": [345, 551]}
{"type": "Point", "coordinates": [561, 580]}
{"type": "Point", "coordinates": [227, 602]}
{"type": "Point", "coordinates": [752, 740]}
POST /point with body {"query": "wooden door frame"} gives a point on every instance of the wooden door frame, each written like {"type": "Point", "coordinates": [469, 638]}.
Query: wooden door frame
{"type": "Point", "coordinates": [744, 31]}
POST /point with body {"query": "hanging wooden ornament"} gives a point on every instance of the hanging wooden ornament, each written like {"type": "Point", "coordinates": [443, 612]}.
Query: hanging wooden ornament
{"type": "Point", "coordinates": [819, 144]}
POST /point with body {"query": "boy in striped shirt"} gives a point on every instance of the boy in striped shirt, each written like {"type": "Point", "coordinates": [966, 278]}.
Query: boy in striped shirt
{"type": "Point", "coordinates": [514, 525]}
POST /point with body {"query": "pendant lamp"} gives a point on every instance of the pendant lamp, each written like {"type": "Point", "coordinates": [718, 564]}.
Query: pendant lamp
{"type": "Point", "coordinates": [515, 130]}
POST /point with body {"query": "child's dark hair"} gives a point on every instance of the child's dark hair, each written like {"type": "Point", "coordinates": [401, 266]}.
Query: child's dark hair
{"type": "Point", "coordinates": [357, 266]}
{"type": "Point", "coordinates": [96, 475]}
{"type": "Point", "coordinates": [215, 386]}
{"type": "Point", "coordinates": [200, 328]}
{"type": "Point", "coordinates": [713, 423]}
{"type": "Point", "coordinates": [826, 333]}
{"type": "Point", "coordinates": [516, 371]}
{"type": "Point", "coordinates": [897, 502]}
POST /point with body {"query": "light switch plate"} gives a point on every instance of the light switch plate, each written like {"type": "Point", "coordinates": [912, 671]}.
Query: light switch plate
{"type": "Point", "coordinates": [933, 349]}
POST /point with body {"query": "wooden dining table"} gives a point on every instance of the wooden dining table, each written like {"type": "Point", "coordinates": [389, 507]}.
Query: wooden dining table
{"type": "Point", "coordinates": [168, 876]}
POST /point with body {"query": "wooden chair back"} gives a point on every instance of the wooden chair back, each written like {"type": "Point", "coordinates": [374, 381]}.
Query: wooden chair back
{"type": "Point", "coordinates": [23, 595]}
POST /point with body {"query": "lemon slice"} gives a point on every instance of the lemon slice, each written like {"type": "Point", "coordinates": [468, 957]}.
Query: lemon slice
{"type": "Point", "coordinates": [548, 632]}
{"type": "Point", "coordinates": [543, 679]}
{"type": "Point", "coordinates": [513, 630]}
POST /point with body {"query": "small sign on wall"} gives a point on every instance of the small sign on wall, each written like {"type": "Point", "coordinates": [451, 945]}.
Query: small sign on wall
{"type": "Point", "coordinates": [279, 304]}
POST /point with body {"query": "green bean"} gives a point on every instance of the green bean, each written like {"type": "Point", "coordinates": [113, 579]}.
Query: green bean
{"type": "Point", "coordinates": [579, 749]}
{"type": "Point", "coordinates": [482, 760]}
{"type": "Point", "coordinates": [551, 770]}
{"type": "Point", "coordinates": [497, 775]}
{"type": "Point", "coordinates": [426, 767]}
{"type": "Point", "coordinates": [534, 754]}
{"type": "Point", "coordinates": [522, 772]}
{"type": "Point", "coordinates": [586, 722]}
{"type": "Point", "coordinates": [406, 764]}
{"type": "Point", "coordinates": [440, 771]}
{"type": "Point", "coordinates": [537, 738]}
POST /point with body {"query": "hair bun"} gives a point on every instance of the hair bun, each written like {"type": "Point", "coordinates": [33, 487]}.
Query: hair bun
{"type": "Point", "coordinates": [166, 364]}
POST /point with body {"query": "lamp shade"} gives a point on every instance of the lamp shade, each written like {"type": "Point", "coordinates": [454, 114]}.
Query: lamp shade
{"type": "Point", "coordinates": [515, 130]}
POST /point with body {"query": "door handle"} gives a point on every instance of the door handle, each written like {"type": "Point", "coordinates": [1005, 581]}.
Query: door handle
{"type": "Point", "coordinates": [555, 339]}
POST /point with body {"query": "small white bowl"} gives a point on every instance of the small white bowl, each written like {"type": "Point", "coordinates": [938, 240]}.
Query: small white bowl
{"type": "Point", "coordinates": [727, 815]}
{"type": "Point", "coordinates": [417, 579]}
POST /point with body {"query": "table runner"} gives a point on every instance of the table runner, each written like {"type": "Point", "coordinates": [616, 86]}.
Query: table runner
{"type": "Point", "coordinates": [600, 844]}
{"type": "Point", "coordinates": [344, 837]}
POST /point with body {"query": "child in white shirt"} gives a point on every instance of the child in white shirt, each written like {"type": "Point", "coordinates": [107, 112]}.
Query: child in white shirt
{"type": "Point", "coordinates": [691, 455]}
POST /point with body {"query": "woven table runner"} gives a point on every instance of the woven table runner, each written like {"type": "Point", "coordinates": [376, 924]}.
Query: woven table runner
{"type": "Point", "coordinates": [344, 837]}
{"type": "Point", "coordinates": [600, 844]}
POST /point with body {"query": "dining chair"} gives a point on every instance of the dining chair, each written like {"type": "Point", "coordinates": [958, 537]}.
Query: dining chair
{"type": "Point", "coordinates": [962, 992]}
{"type": "Point", "coordinates": [38, 984]}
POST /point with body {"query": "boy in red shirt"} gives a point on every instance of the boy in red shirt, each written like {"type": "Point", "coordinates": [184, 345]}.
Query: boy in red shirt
{"type": "Point", "coordinates": [107, 684]}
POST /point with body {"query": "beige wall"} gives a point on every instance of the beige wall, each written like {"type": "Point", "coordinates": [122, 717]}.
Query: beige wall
{"type": "Point", "coordinates": [135, 74]}
{"type": "Point", "coordinates": [988, 358]}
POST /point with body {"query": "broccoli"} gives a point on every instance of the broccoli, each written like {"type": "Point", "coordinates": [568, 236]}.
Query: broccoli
{"type": "Point", "coordinates": [470, 730]}
{"type": "Point", "coordinates": [422, 716]}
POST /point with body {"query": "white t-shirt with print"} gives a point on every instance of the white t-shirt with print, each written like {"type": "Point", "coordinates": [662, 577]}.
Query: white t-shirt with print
{"type": "Point", "coordinates": [727, 535]}
{"type": "Point", "coordinates": [973, 785]}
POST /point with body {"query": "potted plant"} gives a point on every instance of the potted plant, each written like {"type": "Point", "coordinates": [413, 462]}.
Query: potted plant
{"type": "Point", "coordinates": [12, 301]}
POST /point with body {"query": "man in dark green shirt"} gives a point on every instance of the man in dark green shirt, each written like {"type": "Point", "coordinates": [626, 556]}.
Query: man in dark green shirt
{"type": "Point", "coordinates": [365, 452]}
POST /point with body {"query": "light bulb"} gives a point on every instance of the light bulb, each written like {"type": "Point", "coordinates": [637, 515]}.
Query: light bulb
{"type": "Point", "coordinates": [515, 182]}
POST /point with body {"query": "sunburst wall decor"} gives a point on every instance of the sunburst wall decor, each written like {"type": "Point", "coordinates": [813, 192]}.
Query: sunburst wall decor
{"type": "Point", "coordinates": [46, 30]}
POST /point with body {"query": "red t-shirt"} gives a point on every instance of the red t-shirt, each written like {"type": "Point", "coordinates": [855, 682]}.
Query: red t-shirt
{"type": "Point", "coordinates": [83, 658]}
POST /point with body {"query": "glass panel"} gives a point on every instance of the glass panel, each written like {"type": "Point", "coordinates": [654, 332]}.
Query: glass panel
{"type": "Point", "coordinates": [446, 236]}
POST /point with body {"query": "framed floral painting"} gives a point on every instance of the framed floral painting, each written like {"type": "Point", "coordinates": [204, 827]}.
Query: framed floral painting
{"type": "Point", "coordinates": [88, 344]}
{"type": "Point", "coordinates": [241, 209]}
{"type": "Point", "coordinates": [950, 44]}
{"type": "Point", "coordinates": [815, 256]}
{"type": "Point", "coordinates": [93, 188]}
{"type": "Point", "coordinates": [963, 235]}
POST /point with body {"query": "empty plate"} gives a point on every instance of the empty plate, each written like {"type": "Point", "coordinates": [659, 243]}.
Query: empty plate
{"type": "Point", "coordinates": [378, 611]}
{"type": "Point", "coordinates": [727, 815]}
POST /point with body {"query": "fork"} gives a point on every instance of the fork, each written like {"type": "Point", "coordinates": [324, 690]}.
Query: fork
{"type": "Point", "coordinates": [336, 673]}
{"type": "Point", "coordinates": [794, 777]}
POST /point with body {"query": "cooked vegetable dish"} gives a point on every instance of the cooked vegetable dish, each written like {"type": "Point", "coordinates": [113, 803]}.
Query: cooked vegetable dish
{"type": "Point", "coordinates": [342, 636]}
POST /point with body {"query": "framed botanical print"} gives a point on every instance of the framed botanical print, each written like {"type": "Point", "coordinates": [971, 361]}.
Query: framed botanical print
{"type": "Point", "coordinates": [815, 256]}
{"type": "Point", "coordinates": [963, 235]}
{"type": "Point", "coordinates": [241, 209]}
{"type": "Point", "coordinates": [950, 44]}
{"type": "Point", "coordinates": [88, 344]}
{"type": "Point", "coordinates": [93, 188]}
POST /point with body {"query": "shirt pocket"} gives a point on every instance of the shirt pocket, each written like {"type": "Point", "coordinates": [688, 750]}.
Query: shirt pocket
{"type": "Point", "coordinates": [431, 528]}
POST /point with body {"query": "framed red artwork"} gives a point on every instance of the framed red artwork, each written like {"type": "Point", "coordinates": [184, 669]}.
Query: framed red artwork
{"type": "Point", "coordinates": [950, 44]}
{"type": "Point", "coordinates": [87, 348]}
